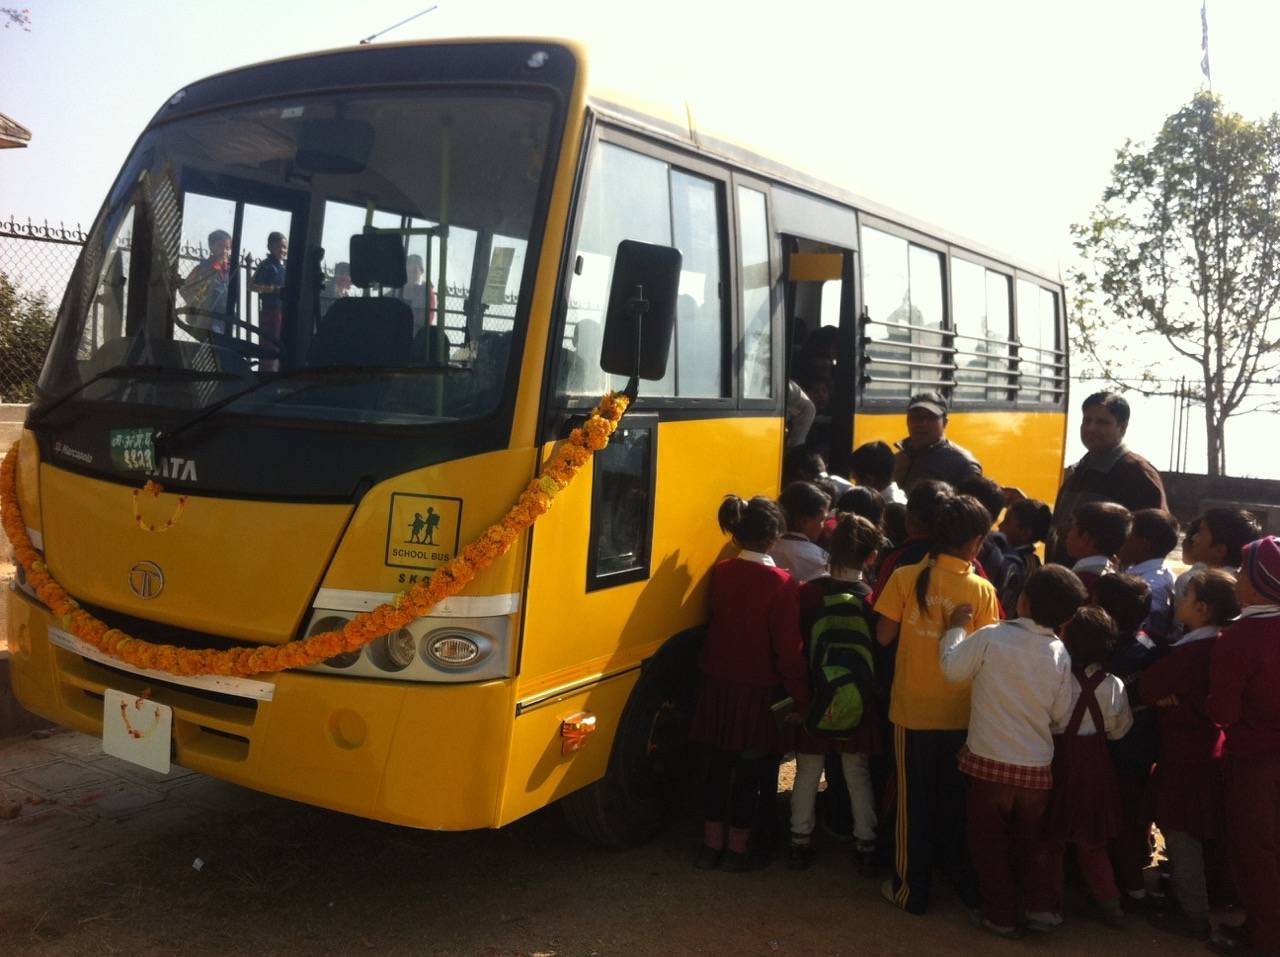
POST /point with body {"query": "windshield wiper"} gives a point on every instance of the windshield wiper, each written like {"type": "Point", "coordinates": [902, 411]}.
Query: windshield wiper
{"type": "Point", "coordinates": [165, 436]}
{"type": "Point", "coordinates": [140, 372]}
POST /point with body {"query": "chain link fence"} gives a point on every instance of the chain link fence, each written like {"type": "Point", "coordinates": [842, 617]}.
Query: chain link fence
{"type": "Point", "coordinates": [36, 260]}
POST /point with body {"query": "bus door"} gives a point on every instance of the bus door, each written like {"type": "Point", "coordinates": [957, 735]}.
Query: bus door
{"type": "Point", "coordinates": [820, 315]}
{"type": "Point", "coordinates": [229, 220]}
{"type": "Point", "coordinates": [820, 241]}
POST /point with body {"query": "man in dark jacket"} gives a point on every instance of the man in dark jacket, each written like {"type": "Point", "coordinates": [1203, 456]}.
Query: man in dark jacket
{"type": "Point", "coordinates": [927, 453]}
{"type": "Point", "coordinates": [1109, 472]}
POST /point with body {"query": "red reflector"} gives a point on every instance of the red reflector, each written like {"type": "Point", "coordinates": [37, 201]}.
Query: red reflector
{"type": "Point", "coordinates": [574, 731]}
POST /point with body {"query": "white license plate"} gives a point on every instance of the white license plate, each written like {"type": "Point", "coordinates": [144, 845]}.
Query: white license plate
{"type": "Point", "coordinates": [137, 729]}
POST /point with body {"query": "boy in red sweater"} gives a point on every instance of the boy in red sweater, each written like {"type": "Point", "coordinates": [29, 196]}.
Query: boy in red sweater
{"type": "Point", "coordinates": [1244, 698]}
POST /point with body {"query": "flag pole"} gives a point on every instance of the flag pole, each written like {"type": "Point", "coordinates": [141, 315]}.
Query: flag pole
{"type": "Point", "coordinates": [1204, 43]}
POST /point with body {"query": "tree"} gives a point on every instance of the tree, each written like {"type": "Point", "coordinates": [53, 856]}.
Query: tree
{"type": "Point", "coordinates": [26, 325]}
{"type": "Point", "coordinates": [1185, 247]}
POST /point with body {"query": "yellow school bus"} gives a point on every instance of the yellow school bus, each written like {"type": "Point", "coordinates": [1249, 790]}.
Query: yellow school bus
{"type": "Point", "coordinates": [342, 307]}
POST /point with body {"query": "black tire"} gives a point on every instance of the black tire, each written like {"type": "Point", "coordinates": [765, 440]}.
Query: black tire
{"type": "Point", "coordinates": [652, 760]}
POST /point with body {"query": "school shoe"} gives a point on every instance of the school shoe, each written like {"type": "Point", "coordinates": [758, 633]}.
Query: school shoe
{"type": "Point", "coordinates": [708, 858]}
{"type": "Point", "coordinates": [1111, 914]}
{"type": "Point", "coordinates": [799, 856]}
{"type": "Point", "coordinates": [1043, 922]}
{"type": "Point", "coordinates": [1233, 941]}
{"type": "Point", "coordinates": [864, 858]}
{"type": "Point", "coordinates": [1000, 930]}
{"type": "Point", "coordinates": [886, 891]}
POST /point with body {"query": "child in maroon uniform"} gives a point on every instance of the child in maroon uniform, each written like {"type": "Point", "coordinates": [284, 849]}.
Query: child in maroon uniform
{"type": "Point", "coordinates": [1188, 781]}
{"type": "Point", "coordinates": [753, 646]}
{"type": "Point", "coordinates": [1085, 807]}
{"type": "Point", "coordinates": [1244, 698]}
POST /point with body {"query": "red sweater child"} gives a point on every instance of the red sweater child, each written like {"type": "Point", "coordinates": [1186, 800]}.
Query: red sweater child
{"type": "Point", "coordinates": [753, 646]}
{"type": "Point", "coordinates": [1187, 772]}
{"type": "Point", "coordinates": [1244, 697]}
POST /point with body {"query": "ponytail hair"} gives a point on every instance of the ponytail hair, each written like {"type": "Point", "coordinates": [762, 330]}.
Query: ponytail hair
{"type": "Point", "coordinates": [1033, 515]}
{"type": "Point", "coordinates": [854, 540]}
{"type": "Point", "coordinates": [754, 524]}
{"type": "Point", "coordinates": [956, 521]}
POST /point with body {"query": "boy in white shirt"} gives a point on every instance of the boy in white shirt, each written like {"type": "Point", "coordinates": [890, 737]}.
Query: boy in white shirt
{"type": "Point", "coordinates": [1021, 676]}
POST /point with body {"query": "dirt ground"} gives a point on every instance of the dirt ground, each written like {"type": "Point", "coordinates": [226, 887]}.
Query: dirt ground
{"type": "Point", "coordinates": [102, 858]}
{"type": "Point", "coordinates": [116, 860]}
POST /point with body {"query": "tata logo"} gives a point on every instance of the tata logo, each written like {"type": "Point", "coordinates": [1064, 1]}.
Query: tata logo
{"type": "Point", "coordinates": [146, 580]}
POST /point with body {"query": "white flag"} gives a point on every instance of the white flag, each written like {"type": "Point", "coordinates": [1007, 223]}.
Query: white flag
{"type": "Point", "coordinates": [1204, 39]}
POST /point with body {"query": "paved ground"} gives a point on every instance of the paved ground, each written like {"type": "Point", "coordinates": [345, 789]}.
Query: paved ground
{"type": "Point", "coordinates": [99, 857]}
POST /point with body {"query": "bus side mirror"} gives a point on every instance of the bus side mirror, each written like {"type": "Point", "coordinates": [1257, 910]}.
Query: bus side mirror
{"type": "Point", "coordinates": [642, 310]}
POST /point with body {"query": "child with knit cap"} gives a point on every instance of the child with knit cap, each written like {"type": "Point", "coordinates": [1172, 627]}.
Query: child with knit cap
{"type": "Point", "coordinates": [1244, 699]}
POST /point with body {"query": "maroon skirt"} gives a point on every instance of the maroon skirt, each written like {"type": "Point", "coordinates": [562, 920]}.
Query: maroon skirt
{"type": "Point", "coordinates": [1189, 797]}
{"type": "Point", "coordinates": [735, 717]}
{"type": "Point", "coordinates": [1085, 806]}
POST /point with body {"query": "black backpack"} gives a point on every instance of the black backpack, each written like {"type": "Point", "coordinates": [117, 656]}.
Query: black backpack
{"type": "Point", "coordinates": [841, 665]}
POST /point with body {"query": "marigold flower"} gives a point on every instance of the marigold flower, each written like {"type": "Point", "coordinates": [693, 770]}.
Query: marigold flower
{"type": "Point", "coordinates": [417, 602]}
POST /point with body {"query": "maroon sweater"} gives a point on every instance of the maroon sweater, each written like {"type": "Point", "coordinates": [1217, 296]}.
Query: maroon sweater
{"type": "Point", "coordinates": [1187, 735]}
{"type": "Point", "coordinates": [1244, 684]}
{"type": "Point", "coordinates": [754, 638]}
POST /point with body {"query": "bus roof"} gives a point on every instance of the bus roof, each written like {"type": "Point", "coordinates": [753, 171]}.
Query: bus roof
{"type": "Point", "coordinates": [663, 109]}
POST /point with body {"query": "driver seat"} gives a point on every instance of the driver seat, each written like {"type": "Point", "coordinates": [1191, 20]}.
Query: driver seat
{"type": "Point", "coordinates": [368, 330]}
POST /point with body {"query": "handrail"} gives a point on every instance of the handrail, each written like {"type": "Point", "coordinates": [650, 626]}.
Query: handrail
{"type": "Point", "coordinates": [908, 363]}
{"type": "Point", "coordinates": [867, 341]}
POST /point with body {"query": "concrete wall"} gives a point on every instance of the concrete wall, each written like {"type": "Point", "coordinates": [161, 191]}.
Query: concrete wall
{"type": "Point", "coordinates": [11, 418]}
{"type": "Point", "coordinates": [1191, 494]}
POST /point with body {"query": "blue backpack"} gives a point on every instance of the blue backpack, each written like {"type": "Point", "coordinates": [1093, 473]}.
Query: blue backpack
{"type": "Point", "coordinates": [841, 665]}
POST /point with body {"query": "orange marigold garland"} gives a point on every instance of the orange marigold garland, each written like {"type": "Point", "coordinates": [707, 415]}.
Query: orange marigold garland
{"type": "Point", "coordinates": [418, 601]}
{"type": "Point", "coordinates": [154, 489]}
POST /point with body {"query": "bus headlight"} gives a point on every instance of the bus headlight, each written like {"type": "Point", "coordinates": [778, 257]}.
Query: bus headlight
{"type": "Point", "coordinates": [395, 651]}
{"type": "Point", "coordinates": [456, 648]}
{"type": "Point", "coordinates": [334, 623]}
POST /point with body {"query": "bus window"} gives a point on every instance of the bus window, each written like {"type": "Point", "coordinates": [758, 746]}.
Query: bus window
{"type": "Point", "coordinates": [927, 346]}
{"type": "Point", "coordinates": [261, 309]}
{"type": "Point", "coordinates": [631, 196]}
{"type": "Point", "coordinates": [1040, 364]}
{"type": "Point", "coordinates": [887, 300]}
{"type": "Point", "coordinates": [757, 324]}
{"type": "Point", "coordinates": [832, 290]}
{"type": "Point", "coordinates": [107, 319]}
{"type": "Point", "coordinates": [982, 320]}
{"type": "Point", "coordinates": [204, 302]}
{"type": "Point", "coordinates": [699, 335]}
{"type": "Point", "coordinates": [622, 505]}
{"type": "Point", "coordinates": [902, 293]}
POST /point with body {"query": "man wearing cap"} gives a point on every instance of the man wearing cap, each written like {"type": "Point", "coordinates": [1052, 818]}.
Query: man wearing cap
{"type": "Point", "coordinates": [1244, 698]}
{"type": "Point", "coordinates": [1109, 471]}
{"type": "Point", "coordinates": [926, 452]}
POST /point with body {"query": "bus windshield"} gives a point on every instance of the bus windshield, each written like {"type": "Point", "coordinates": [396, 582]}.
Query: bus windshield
{"type": "Point", "coordinates": [347, 257]}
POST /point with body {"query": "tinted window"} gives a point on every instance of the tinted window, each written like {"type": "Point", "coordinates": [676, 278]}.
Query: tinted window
{"type": "Point", "coordinates": [757, 312]}
{"type": "Point", "coordinates": [631, 196]}
{"type": "Point", "coordinates": [982, 313]}
{"type": "Point", "coordinates": [1042, 370]}
{"type": "Point", "coordinates": [902, 293]}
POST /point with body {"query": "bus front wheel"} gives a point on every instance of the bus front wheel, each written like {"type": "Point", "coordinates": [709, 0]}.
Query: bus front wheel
{"type": "Point", "coordinates": [651, 764]}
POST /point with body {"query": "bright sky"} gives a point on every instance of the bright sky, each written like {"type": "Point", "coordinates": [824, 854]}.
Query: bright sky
{"type": "Point", "coordinates": [997, 119]}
